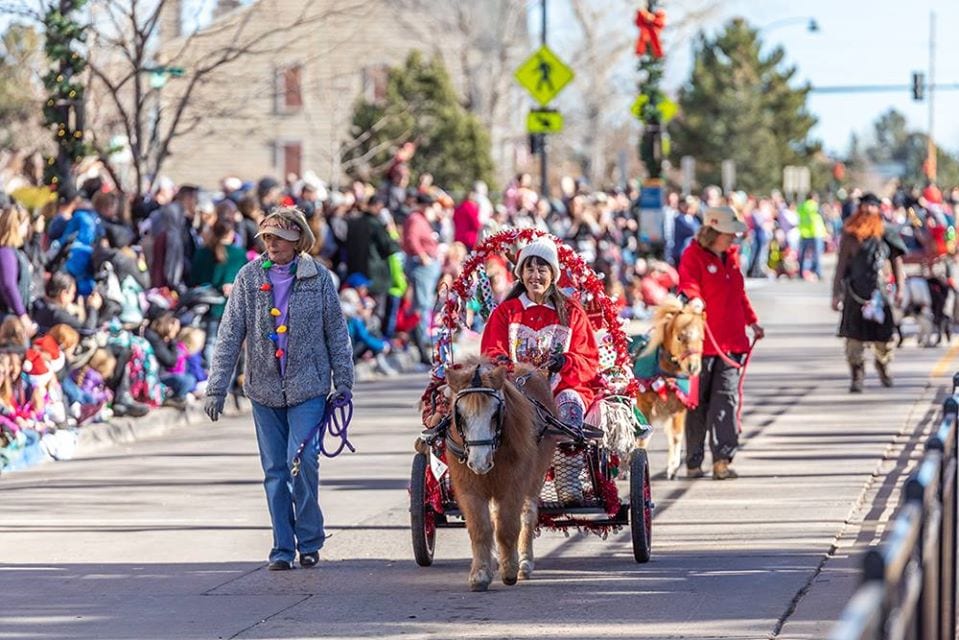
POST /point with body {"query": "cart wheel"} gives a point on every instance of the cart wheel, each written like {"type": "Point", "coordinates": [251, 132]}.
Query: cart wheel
{"type": "Point", "coordinates": [640, 506]}
{"type": "Point", "coordinates": [422, 518]}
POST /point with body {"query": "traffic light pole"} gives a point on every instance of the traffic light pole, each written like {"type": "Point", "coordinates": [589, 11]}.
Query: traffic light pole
{"type": "Point", "coordinates": [930, 141]}
{"type": "Point", "coordinates": [543, 171]}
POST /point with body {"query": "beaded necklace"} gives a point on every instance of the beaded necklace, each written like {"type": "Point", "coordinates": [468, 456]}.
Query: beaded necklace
{"type": "Point", "coordinates": [275, 313]}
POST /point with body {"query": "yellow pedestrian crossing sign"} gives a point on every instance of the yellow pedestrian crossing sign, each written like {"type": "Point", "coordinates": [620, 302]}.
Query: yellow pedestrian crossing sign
{"type": "Point", "coordinates": [540, 121]}
{"type": "Point", "coordinates": [544, 75]}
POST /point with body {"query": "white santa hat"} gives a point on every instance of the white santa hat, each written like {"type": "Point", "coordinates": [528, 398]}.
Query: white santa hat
{"type": "Point", "coordinates": [542, 248]}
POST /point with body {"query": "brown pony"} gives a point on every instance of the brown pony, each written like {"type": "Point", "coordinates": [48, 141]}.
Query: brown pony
{"type": "Point", "coordinates": [678, 334]}
{"type": "Point", "coordinates": [498, 461]}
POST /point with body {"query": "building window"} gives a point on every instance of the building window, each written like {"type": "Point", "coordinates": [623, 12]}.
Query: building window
{"type": "Point", "coordinates": [375, 79]}
{"type": "Point", "coordinates": [289, 89]}
{"type": "Point", "coordinates": [289, 157]}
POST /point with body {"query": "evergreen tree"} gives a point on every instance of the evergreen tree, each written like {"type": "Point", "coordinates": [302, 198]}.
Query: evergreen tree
{"type": "Point", "coordinates": [894, 143]}
{"type": "Point", "coordinates": [63, 110]}
{"type": "Point", "coordinates": [738, 104]}
{"type": "Point", "coordinates": [421, 105]}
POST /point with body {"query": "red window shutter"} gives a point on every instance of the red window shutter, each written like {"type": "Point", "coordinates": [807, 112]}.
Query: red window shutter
{"type": "Point", "coordinates": [293, 87]}
{"type": "Point", "coordinates": [292, 158]}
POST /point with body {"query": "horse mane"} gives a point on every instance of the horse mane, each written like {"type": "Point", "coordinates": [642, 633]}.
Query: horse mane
{"type": "Point", "coordinates": [663, 314]}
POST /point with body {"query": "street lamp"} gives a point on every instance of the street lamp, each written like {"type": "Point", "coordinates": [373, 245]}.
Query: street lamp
{"type": "Point", "coordinates": [812, 26]}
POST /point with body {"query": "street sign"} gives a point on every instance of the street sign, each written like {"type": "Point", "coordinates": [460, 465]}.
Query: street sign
{"type": "Point", "coordinates": [687, 165]}
{"type": "Point", "coordinates": [796, 181]}
{"type": "Point", "coordinates": [542, 121]}
{"type": "Point", "coordinates": [544, 75]}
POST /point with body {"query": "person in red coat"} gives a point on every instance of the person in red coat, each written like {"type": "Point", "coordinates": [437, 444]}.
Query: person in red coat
{"type": "Point", "coordinates": [466, 222]}
{"type": "Point", "coordinates": [710, 272]}
{"type": "Point", "coordinates": [537, 324]}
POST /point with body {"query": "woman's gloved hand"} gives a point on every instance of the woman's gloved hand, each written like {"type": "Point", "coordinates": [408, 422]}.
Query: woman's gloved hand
{"type": "Point", "coordinates": [213, 407]}
{"type": "Point", "coordinates": [341, 397]}
{"type": "Point", "coordinates": [555, 362]}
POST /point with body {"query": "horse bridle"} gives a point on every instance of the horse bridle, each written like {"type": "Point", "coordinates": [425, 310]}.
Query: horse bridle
{"type": "Point", "coordinates": [462, 451]}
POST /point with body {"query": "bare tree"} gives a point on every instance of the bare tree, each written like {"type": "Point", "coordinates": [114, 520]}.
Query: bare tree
{"type": "Point", "coordinates": [482, 43]}
{"type": "Point", "coordinates": [131, 52]}
{"type": "Point", "coordinates": [128, 55]}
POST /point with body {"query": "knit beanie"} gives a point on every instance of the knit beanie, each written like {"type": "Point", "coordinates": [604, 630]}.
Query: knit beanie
{"type": "Point", "coordinates": [543, 248]}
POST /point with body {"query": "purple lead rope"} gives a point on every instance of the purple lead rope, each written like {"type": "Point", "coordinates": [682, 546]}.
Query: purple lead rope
{"type": "Point", "coordinates": [335, 422]}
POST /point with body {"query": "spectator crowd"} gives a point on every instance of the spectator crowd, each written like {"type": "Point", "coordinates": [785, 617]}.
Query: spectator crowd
{"type": "Point", "coordinates": [111, 307]}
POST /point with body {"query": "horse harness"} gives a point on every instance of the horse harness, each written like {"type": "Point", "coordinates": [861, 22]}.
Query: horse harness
{"type": "Point", "coordinates": [550, 424]}
{"type": "Point", "coordinates": [476, 387]}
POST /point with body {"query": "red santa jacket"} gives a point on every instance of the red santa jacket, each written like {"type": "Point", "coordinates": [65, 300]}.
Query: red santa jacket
{"type": "Point", "coordinates": [527, 332]}
{"type": "Point", "coordinates": [720, 284]}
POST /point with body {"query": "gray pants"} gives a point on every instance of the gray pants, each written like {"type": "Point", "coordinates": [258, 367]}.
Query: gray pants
{"type": "Point", "coordinates": [716, 413]}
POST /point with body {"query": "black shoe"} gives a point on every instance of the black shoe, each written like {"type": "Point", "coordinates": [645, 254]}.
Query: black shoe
{"type": "Point", "coordinates": [130, 408]}
{"type": "Point", "coordinates": [695, 472]}
{"type": "Point", "coordinates": [280, 565]}
{"type": "Point", "coordinates": [308, 560]}
{"type": "Point", "coordinates": [176, 403]}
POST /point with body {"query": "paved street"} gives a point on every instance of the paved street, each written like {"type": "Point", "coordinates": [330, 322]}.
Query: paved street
{"type": "Point", "coordinates": [168, 538]}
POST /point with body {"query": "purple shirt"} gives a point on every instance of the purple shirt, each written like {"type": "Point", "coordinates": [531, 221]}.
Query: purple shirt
{"type": "Point", "coordinates": [282, 281]}
{"type": "Point", "coordinates": [9, 281]}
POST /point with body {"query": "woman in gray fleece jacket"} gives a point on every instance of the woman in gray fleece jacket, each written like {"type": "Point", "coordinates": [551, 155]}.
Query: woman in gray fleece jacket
{"type": "Point", "coordinates": [285, 305]}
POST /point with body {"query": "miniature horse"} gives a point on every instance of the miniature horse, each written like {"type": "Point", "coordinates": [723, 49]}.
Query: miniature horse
{"type": "Point", "coordinates": [676, 343]}
{"type": "Point", "coordinates": [498, 458]}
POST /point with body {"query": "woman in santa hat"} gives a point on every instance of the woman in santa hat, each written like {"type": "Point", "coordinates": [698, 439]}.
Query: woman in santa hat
{"type": "Point", "coordinates": [538, 325]}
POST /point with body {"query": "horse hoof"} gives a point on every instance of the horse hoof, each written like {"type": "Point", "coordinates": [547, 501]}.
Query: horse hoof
{"type": "Point", "coordinates": [509, 581]}
{"type": "Point", "coordinates": [478, 586]}
{"type": "Point", "coordinates": [671, 474]}
{"type": "Point", "coordinates": [525, 570]}
{"type": "Point", "coordinates": [480, 581]}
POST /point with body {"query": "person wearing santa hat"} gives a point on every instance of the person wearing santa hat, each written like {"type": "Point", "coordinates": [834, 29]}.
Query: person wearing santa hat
{"type": "Point", "coordinates": [42, 362]}
{"type": "Point", "coordinates": [538, 325]}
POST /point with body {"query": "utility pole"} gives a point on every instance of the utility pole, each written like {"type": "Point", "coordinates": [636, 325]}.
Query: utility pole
{"type": "Point", "coordinates": [931, 168]}
{"type": "Point", "coordinates": [543, 171]}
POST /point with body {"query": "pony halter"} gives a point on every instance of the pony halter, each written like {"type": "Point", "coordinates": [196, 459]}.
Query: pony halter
{"type": "Point", "coordinates": [462, 452]}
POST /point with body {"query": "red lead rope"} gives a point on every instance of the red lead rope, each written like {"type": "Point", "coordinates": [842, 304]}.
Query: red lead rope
{"type": "Point", "coordinates": [735, 365]}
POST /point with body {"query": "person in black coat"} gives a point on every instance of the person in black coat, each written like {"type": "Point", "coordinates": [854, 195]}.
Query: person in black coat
{"type": "Point", "coordinates": [866, 248]}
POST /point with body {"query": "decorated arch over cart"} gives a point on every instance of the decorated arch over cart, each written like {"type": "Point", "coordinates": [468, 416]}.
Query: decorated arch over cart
{"type": "Point", "coordinates": [577, 280]}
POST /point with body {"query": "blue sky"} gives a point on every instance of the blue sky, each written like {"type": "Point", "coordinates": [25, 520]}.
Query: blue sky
{"type": "Point", "coordinates": [860, 42]}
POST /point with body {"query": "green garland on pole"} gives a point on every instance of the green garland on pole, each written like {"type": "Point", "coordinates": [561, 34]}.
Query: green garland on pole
{"type": "Point", "coordinates": [652, 107]}
{"type": "Point", "coordinates": [65, 89]}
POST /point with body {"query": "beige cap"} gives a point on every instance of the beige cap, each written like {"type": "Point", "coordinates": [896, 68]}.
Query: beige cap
{"type": "Point", "coordinates": [724, 220]}
{"type": "Point", "coordinates": [289, 224]}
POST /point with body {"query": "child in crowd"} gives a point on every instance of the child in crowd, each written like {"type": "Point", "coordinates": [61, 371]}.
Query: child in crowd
{"type": "Point", "coordinates": [84, 403]}
{"type": "Point", "coordinates": [162, 336]}
{"type": "Point", "coordinates": [366, 341]}
{"type": "Point", "coordinates": [16, 399]}
{"type": "Point", "coordinates": [42, 363]}
{"type": "Point", "coordinates": [191, 342]}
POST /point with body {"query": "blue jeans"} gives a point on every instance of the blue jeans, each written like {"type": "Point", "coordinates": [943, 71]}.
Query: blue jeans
{"type": "Point", "coordinates": [424, 279]}
{"type": "Point", "coordinates": [294, 501]}
{"type": "Point", "coordinates": [813, 246]}
{"type": "Point", "coordinates": [180, 383]}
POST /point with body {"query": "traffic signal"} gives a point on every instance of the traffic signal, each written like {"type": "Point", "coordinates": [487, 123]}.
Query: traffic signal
{"type": "Point", "coordinates": [918, 85]}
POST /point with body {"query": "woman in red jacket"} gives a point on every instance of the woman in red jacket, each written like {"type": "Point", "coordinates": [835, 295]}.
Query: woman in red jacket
{"type": "Point", "coordinates": [710, 271]}
{"type": "Point", "coordinates": [537, 324]}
